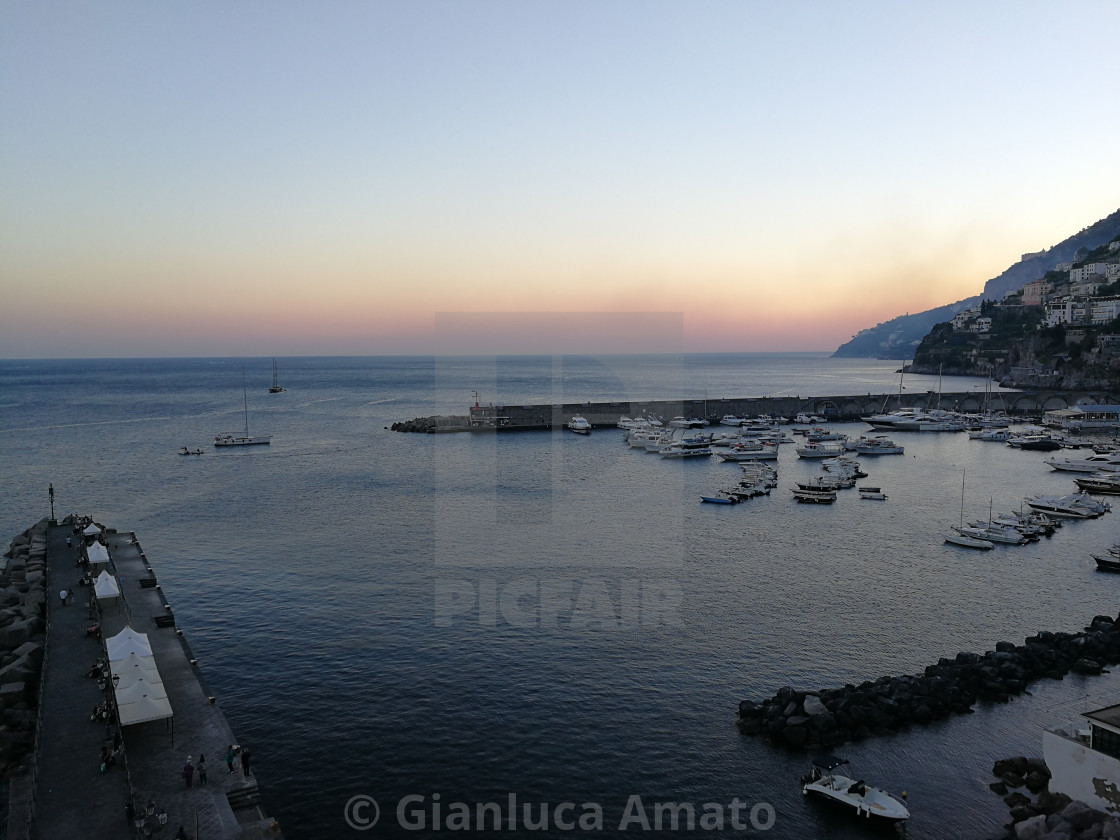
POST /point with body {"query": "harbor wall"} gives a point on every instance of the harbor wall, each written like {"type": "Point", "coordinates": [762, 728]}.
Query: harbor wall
{"type": "Point", "coordinates": [491, 417]}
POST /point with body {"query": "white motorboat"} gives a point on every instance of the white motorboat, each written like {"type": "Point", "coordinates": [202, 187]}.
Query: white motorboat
{"type": "Point", "coordinates": [819, 450]}
{"type": "Point", "coordinates": [830, 778]}
{"type": "Point", "coordinates": [914, 420]}
{"type": "Point", "coordinates": [1109, 462]}
{"type": "Point", "coordinates": [875, 445]}
{"type": "Point", "coordinates": [691, 446]}
{"type": "Point", "coordinates": [819, 435]}
{"type": "Point", "coordinates": [731, 420]}
{"type": "Point", "coordinates": [1000, 434]}
{"type": "Point", "coordinates": [1072, 506]}
{"type": "Point", "coordinates": [579, 425]}
{"type": "Point", "coordinates": [871, 493]}
{"type": "Point", "coordinates": [745, 452]}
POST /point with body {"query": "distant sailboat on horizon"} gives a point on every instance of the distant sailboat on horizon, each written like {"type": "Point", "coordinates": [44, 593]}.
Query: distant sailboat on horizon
{"type": "Point", "coordinates": [276, 387]}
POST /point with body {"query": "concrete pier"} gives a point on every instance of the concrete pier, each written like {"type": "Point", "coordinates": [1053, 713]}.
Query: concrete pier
{"type": "Point", "coordinates": [846, 407]}
{"type": "Point", "coordinates": [70, 796]}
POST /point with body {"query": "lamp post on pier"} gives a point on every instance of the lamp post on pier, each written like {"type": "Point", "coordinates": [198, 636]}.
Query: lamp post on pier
{"type": "Point", "coordinates": [50, 492]}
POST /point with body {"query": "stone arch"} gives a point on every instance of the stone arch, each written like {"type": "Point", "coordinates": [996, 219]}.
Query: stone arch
{"type": "Point", "coordinates": [1054, 402]}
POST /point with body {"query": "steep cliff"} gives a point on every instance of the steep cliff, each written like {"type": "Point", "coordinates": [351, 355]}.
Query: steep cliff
{"type": "Point", "coordinates": [900, 337]}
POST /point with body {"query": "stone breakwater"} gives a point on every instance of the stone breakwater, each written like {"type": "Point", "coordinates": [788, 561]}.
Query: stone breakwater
{"type": "Point", "coordinates": [23, 601]}
{"type": "Point", "coordinates": [827, 718]}
{"type": "Point", "coordinates": [1041, 813]}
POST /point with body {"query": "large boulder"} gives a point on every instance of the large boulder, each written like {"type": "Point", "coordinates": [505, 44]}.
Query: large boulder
{"type": "Point", "coordinates": [1080, 815]}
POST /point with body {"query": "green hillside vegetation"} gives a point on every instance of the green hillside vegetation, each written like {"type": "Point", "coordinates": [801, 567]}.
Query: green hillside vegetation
{"type": "Point", "coordinates": [900, 337]}
{"type": "Point", "coordinates": [1020, 349]}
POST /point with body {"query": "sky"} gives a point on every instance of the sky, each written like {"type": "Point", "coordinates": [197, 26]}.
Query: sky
{"type": "Point", "coordinates": [351, 177]}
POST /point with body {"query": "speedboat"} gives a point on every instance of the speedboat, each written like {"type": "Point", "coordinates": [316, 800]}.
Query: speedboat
{"type": "Point", "coordinates": [830, 778]}
{"type": "Point", "coordinates": [1072, 506]}
{"type": "Point", "coordinates": [579, 425]}
{"type": "Point", "coordinates": [731, 420]}
{"type": "Point", "coordinates": [185, 451]}
{"type": "Point", "coordinates": [1109, 462]}
{"type": "Point", "coordinates": [1106, 484]}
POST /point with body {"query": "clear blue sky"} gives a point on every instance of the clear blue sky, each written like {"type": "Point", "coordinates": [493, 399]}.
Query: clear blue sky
{"type": "Point", "coordinates": [282, 178]}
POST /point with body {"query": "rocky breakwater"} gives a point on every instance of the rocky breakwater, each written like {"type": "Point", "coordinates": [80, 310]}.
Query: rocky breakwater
{"type": "Point", "coordinates": [1041, 814]}
{"type": "Point", "coordinates": [23, 604]}
{"type": "Point", "coordinates": [827, 718]}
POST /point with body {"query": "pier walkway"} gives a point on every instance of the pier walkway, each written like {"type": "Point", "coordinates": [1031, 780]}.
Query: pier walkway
{"type": "Point", "coordinates": [73, 798]}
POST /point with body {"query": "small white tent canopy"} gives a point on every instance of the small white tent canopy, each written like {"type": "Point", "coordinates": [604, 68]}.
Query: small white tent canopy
{"type": "Point", "coordinates": [137, 676]}
{"type": "Point", "coordinates": [133, 662]}
{"type": "Point", "coordinates": [97, 554]}
{"type": "Point", "coordinates": [139, 690]}
{"type": "Point", "coordinates": [92, 530]}
{"type": "Point", "coordinates": [145, 709]}
{"type": "Point", "coordinates": [106, 587]}
{"type": "Point", "coordinates": [126, 642]}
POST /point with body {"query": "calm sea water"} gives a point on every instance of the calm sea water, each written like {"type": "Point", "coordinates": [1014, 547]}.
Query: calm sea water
{"type": "Point", "coordinates": [460, 618]}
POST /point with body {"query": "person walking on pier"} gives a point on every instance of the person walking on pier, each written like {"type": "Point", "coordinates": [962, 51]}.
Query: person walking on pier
{"type": "Point", "coordinates": [230, 753]}
{"type": "Point", "coordinates": [188, 771]}
{"type": "Point", "coordinates": [245, 762]}
{"type": "Point", "coordinates": [62, 596]}
{"type": "Point", "coordinates": [202, 768]}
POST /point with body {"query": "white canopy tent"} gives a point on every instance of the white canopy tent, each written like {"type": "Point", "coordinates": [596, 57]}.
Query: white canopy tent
{"type": "Point", "coordinates": [92, 530]}
{"type": "Point", "coordinates": [139, 690]}
{"type": "Point", "coordinates": [97, 554]}
{"type": "Point", "coordinates": [126, 642]}
{"type": "Point", "coordinates": [145, 709]}
{"type": "Point", "coordinates": [106, 587]}
{"type": "Point", "coordinates": [136, 676]}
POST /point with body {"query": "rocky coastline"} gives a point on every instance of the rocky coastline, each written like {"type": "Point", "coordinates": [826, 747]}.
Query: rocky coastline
{"type": "Point", "coordinates": [23, 603]}
{"type": "Point", "coordinates": [1040, 814]}
{"type": "Point", "coordinates": [830, 717]}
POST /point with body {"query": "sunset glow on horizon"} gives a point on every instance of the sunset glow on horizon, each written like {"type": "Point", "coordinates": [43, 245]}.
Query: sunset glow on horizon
{"type": "Point", "coordinates": [340, 179]}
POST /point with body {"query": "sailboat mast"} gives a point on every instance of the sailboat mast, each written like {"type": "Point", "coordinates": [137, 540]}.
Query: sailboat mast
{"type": "Point", "coordinates": [962, 498]}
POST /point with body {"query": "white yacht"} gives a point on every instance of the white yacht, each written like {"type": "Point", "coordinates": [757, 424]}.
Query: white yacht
{"type": "Point", "coordinates": [1108, 462]}
{"type": "Point", "coordinates": [915, 420]}
{"type": "Point", "coordinates": [1072, 506]}
{"type": "Point", "coordinates": [875, 445]}
{"type": "Point", "coordinates": [579, 425]}
{"type": "Point", "coordinates": [731, 420]}
{"type": "Point", "coordinates": [832, 779]}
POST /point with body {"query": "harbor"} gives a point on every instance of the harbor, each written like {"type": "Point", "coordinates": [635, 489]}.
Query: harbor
{"type": "Point", "coordinates": [305, 576]}
{"type": "Point", "coordinates": [101, 767]}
